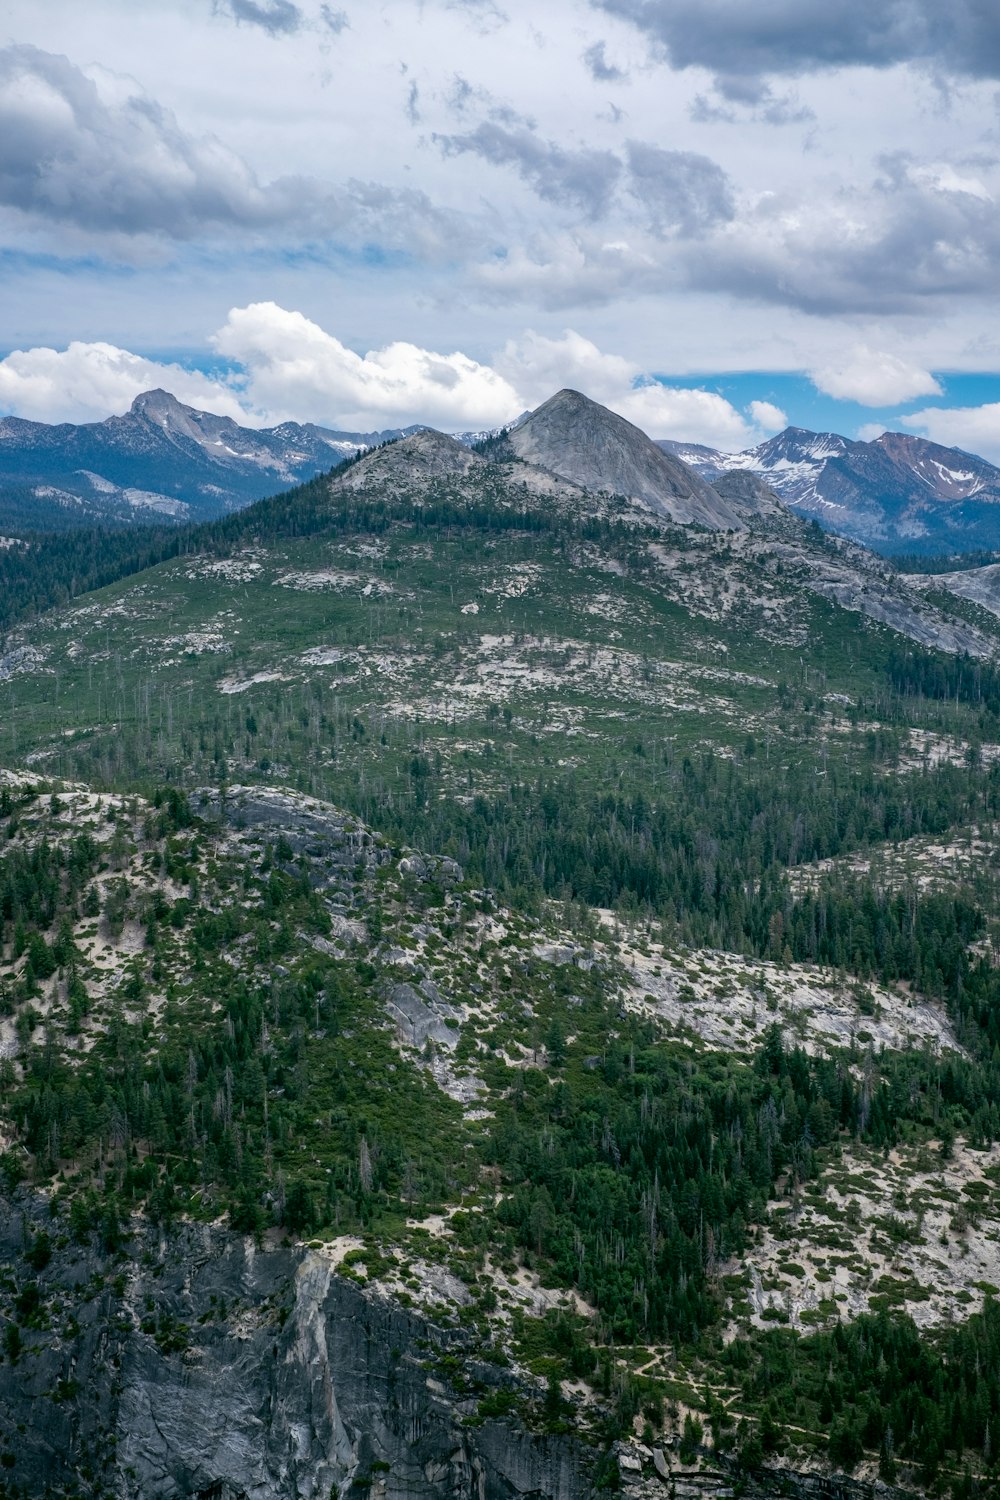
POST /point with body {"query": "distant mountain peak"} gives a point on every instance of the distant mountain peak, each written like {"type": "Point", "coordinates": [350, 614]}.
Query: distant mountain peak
{"type": "Point", "coordinates": [159, 404]}
{"type": "Point", "coordinates": [155, 396]}
{"type": "Point", "coordinates": [899, 492]}
{"type": "Point", "coordinates": [164, 457]}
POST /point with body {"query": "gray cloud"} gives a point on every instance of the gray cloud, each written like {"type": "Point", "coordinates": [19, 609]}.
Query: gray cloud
{"type": "Point", "coordinates": [919, 239]}
{"type": "Point", "coordinates": [463, 97]}
{"type": "Point", "coordinates": [279, 17]}
{"type": "Point", "coordinates": [128, 169]}
{"type": "Point", "coordinates": [334, 20]}
{"type": "Point", "coordinates": [581, 179]}
{"type": "Point", "coordinates": [785, 36]}
{"type": "Point", "coordinates": [600, 69]}
{"type": "Point", "coordinates": [752, 97]}
{"type": "Point", "coordinates": [681, 191]}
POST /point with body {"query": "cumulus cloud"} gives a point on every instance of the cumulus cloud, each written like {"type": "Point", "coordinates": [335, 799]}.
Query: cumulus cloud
{"type": "Point", "coordinates": [785, 36]}
{"type": "Point", "coordinates": [101, 157]}
{"type": "Point", "coordinates": [916, 236]}
{"type": "Point", "coordinates": [680, 190]}
{"type": "Point", "coordinates": [296, 370]}
{"type": "Point", "coordinates": [279, 17]}
{"type": "Point", "coordinates": [976, 429]}
{"type": "Point", "coordinates": [692, 416]}
{"type": "Point", "coordinates": [88, 382]}
{"type": "Point", "coordinates": [602, 71]}
{"type": "Point", "coordinates": [538, 365]}
{"type": "Point", "coordinates": [288, 368]}
{"type": "Point", "coordinates": [583, 179]}
{"type": "Point", "coordinates": [874, 378]}
{"type": "Point", "coordinates": [767, 417]}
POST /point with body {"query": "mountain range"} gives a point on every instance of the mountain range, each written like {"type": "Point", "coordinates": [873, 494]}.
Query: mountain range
{"type": "Point", "coordinates": [898, 493]}
{"type": "Point", "coordinates": [163, 460]}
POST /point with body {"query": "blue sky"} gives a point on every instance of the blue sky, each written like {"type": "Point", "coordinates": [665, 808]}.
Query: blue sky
{"type": "Point", "coordinates": [805, 406]}
{"type": "Point", "coordinates": [443, 210]}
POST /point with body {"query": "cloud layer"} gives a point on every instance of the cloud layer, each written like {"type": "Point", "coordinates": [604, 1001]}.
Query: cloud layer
{"type": "Point", "coordinates": [286, 367]}
{"type": "Point", "coordinates": [779, 184]}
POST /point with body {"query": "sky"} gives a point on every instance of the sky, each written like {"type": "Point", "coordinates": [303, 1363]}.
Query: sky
{"type": "Point", "coordinates": [716, 218]}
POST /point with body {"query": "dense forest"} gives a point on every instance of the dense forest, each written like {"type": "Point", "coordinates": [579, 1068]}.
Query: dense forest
{"type": "Point", "coordinates": [242, 1070]}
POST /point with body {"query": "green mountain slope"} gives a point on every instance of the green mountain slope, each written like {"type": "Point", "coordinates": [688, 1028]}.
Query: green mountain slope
{"type": "Point", "coordinates": [579, 927]}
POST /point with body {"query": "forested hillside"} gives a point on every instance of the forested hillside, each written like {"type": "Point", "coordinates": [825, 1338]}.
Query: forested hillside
{"type": "Point", "coordinates": [570, 923]}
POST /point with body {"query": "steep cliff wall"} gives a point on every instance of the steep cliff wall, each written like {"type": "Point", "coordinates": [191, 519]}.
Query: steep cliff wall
{"type": "Point", "coordinates": [196, 1358]}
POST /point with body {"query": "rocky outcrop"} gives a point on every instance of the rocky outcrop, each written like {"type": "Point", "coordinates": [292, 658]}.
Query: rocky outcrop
{"type": "Point", "coordinates": [332, 842]}
{"type": "Point", "coordinates": [417, 459]}
{"type": "Point", "coordinates": [582, 441]}
{"type": "Point", "coordinates": [980, 585]}
{"type": "Point", "coordinates": [195, 1362]}
{"type": "Point", "coordinates": [650, 1474]}
{"type": "Point", "coordinates": [749, 494]}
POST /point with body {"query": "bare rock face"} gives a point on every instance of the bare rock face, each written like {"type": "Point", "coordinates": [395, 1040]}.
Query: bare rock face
{"type": "Point", "coordinates": [582, 441]}
{"type": "Point", "coordinates": [980, 585]}
{"type": "Point", "coordinates": [197, 1364]}
{"type": "Point", "coordinates": [422, 456]}
{"type": "Point", "coordinates": [749, 494]}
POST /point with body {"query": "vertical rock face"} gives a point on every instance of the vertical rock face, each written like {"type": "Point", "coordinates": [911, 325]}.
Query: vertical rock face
{"type": "Point", "coordinates": [200, 1361]}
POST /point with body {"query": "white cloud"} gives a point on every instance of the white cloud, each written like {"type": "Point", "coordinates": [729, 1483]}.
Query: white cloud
{"type": "Point", "coordinates": [296, 370]}
{"type": "Point", "coordinates": [539, 366]}
{"type": "Point", "coordinates": [288, 368]}
{"type": "Point", "coordinates": [767, 417]}
{"type": "Point", "coordinates": [88, 382]}
{"type": "Point", "coordinates": [690, 416]}
{"type": "Point", "coordinates": [874, 378]}
{"type": "Point", "coordinates": [974, 428]}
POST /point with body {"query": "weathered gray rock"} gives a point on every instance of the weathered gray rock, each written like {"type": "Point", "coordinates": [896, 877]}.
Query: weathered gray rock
{"type": "Point", "coordinates": [582, 441]}
{"type": "Point", "coordinates": [422, 456]}
{"type": "Point", "coordinates": [422, 1014]}
{"type": "Point", "coordinates": [749, 493]}
{"type": "Point", "coordinates": [436, 867]}
{"type": "Point", "coordinates": [299, 1384]}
